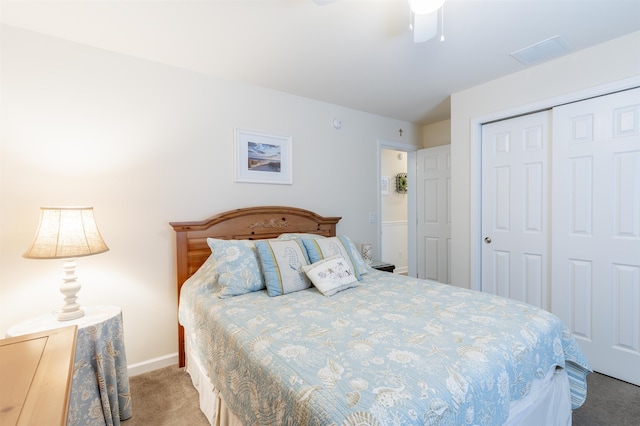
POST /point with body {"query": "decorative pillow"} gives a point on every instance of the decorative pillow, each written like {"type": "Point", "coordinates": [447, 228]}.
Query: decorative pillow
{"type": "Point", "coordinates": [331, 275]}
{"type": "Point", "coordinates": [293, 236]}
{"type": "Point", "coordinates": [282, 263]}
{"type": "Point", "coordinates": [236, 265]}
{"type": "Point", "coordinates": [326, 247]}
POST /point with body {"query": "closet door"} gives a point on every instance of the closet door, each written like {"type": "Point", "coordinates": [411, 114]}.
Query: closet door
{"type": "Point", "coordinates": [433, 196]}
{"type": "Point", "coordinates": [596, 229]}
{"type": "Point", "coordinates": [515, 208]}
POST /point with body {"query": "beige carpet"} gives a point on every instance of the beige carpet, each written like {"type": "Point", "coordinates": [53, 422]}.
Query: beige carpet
{"type": "Point", "coordinates": [610, 402]}
{"type": "Point", "coordinates": [164, 397]}
{"type": "Point", "coordinates": [167, 397]}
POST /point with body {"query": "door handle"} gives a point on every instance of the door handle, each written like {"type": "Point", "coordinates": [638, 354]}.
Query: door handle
{"type": "Point", "coordinates": [487, 240]}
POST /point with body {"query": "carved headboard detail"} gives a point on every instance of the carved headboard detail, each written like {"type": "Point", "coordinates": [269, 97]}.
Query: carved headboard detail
{"type": "Point", "coordinates": [251, 223]}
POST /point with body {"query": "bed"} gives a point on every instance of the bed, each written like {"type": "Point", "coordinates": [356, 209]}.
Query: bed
{"type": "Point", "coordinates": [348, 345]}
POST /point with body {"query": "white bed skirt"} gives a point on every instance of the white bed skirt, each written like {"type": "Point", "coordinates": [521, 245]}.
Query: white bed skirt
{"type": "Point", "coordinates": [211, 403]}
{"type": "Point", "coordinates": [548, 402]}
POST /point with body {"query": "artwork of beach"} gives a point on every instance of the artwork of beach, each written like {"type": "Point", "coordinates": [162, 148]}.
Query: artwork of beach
{"type": "Point", "coordinates": [263, 157]}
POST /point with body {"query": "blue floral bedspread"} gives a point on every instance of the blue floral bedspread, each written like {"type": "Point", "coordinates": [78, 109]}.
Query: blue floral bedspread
{"type": "Point", "coordinates": [393, 351]}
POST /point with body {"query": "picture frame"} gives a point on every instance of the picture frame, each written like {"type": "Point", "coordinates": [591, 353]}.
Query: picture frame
{"type": "Point", "coordinates": [384, 185]}
{"type": "Point", "coordinates": [402, 183]}
{"type": "Point", "coordinates": [263, 157]}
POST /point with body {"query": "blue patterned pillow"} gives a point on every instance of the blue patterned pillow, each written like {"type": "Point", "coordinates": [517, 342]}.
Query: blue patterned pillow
{"type": "Point", "coordinates": [236, 264]}
{"type": "Point", "coordinates": [326, 247]}
{"type": "Point", "coordinates": [282, 263]}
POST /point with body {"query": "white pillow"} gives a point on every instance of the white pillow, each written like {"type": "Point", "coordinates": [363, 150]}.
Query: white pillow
{"type": "Point", "coordinates": [323, 248]}
{"type": "Point", "coordinates": [331, 275]}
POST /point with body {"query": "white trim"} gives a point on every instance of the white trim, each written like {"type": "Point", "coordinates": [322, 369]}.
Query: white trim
{"type": "Point", "coordinates": [475, 219]}
{"type": "Point", "coordinates": [153, 364]}
{"type": "Point", "coordinates": [475, 228]}
{"type": "Point", "coordinates": [403, 270]}
{"type": "Point", "coordinates": [412, 217]}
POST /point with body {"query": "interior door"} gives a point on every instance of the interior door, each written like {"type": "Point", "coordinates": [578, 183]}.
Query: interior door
{"type": "Point", "coordinates": [515, 208]}
{"type": "Point", "coordinates": [433, 200]}
{"type": "Point", "coordinates": [596, 229]}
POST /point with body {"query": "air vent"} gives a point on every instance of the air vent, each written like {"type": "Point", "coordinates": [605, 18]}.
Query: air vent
{"type": "Point", "coordinates": [542, 51]}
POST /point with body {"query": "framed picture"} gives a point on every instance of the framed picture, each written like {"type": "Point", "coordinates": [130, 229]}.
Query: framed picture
{"type": "Point", "coordinates": [263, 158]}
{"type": "Point", "coordinates": [384, 185]}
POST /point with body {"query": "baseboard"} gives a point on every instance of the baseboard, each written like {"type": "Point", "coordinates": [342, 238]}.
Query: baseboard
{"type": "Point", "coordinates": [153, 364]}
{"type": "Point", "coordinates": [401, 270]}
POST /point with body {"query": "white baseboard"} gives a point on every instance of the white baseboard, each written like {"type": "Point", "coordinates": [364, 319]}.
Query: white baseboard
{"type": "Point", "coordinates": [153, 364]}
{"type": "Point", "coordinates": [402, 270]}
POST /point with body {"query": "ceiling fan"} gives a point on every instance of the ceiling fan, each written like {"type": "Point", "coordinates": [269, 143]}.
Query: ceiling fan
{"type": "Point", "coordinates": [423, 17]}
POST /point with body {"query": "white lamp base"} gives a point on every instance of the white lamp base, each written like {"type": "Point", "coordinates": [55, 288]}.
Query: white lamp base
{"type": "Point", "coordinates": [69, 288]}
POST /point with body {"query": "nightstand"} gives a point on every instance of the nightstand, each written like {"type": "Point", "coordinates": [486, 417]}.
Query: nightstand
{"type": "Point", "coordinates": [100, 384]}
{"type": "Point", "coordinates": [382, 266]}
{"type": "Point", "coordinates": [35, 372]}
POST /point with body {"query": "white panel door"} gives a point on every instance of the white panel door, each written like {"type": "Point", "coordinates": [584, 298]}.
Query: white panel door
{"type": "Point", "coordinates": [596, 229]}
{"type": "Point", "coordinates": [515, 208]}
{"type": "Point", "coordinates": [433, 200]}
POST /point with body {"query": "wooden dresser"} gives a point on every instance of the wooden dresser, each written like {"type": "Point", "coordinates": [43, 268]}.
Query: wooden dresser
{"type": "Point", "coordinates": [35, 372]}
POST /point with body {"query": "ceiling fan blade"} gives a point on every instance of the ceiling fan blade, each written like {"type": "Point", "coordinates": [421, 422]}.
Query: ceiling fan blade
{"type": "Point", "coordinates": [425, 27]}
{"type": "Point", "coordinates": [424, 7]}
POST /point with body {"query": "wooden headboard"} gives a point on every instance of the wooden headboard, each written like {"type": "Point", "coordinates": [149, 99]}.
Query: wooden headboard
{"type": "Point", "coordinates": [251, 223]}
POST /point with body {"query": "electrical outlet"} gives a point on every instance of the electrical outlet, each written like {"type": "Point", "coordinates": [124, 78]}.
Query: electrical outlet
{"type": "Point", "coordinates": [373, 217]}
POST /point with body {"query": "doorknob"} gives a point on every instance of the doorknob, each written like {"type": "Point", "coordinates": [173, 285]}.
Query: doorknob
{"type": "Point", "coordinates": [487, 240]}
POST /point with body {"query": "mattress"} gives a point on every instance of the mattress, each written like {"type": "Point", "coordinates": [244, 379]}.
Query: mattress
{"type": "Point", "coordinates": [393, 350]}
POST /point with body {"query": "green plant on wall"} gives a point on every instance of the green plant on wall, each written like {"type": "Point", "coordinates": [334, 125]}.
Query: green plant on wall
{"type": "Point", "coordinates": [401, 183]}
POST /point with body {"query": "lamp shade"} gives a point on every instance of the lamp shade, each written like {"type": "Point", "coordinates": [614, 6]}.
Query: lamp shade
{"type": "Point", "coordinates": [66, 232]}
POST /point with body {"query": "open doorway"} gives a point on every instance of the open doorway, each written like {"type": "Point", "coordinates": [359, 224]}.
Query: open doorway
{"type": "Point", "coordinates": [398, 245]}
{"type": "Point", "coordinates": [393, 215]}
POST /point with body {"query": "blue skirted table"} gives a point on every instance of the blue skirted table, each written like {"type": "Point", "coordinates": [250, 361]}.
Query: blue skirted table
{"type": "Point", "coordinates": [100, 385]}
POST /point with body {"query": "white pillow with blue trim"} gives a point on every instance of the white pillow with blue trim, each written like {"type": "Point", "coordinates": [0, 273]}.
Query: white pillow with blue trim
{"type": "Point", "coordinates": [282, 262]}
{"type": "Point", "coordinates": [331, 275]}
{"type": "Point", "coordinates": [323, 248]}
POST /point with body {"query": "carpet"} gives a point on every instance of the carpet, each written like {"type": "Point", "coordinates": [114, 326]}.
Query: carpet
{"type": "Point", "coordinates": [164, 397]}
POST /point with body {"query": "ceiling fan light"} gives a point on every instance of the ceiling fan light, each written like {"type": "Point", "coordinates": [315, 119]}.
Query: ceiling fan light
{"type": "Point", "coordinates": [425, 7]}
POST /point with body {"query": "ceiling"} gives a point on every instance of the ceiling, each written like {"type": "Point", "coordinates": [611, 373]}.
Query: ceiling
{"type": "Point", "coordinates": [354, 53]}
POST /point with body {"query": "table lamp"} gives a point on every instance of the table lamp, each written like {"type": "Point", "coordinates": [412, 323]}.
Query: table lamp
{"type": "Point", "coordinates": [67, 233]}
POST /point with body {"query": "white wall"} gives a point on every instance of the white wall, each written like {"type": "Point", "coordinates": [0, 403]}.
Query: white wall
{"type": "Point", "coordinates": [436, 134]}
{"type": "Point", "coordinates": [146, 144]}
{"type": "Point", "coordinates": [606, 63]}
